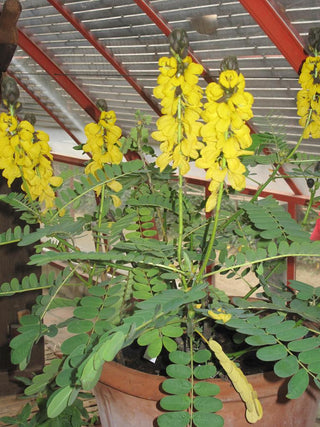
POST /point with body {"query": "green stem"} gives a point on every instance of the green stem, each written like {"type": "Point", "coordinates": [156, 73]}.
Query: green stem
{"type": "Point", "coordinates": [255, 288]}
{"type": "Point", "coordinates": [180, 237]}
{"type": "Point", "coordinates": [191, 379]}
{"type": "Point", "coordinates": [310, 203]}
{"type": "Point", "coordinates": [213, 234]}
{"type": "Point", "coordinates": [149, 179]}
{"type": "Point", "coordinates": [98, 242]}
{"type": "Point", "coordinates": [180, 189]}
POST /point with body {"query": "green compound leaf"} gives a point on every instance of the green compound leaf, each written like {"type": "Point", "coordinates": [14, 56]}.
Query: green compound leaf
{"type": "Point", "coordinates": [148, 337]}
{"type": "Point", "coordinates": [178, 371]}
{"type": "Point", "coordinates": [172, 331]}
{"type": "Point", "coordinates": [310, 356]}
{"type": "Point", "coordinates": [258, 340]}
{"type": "Point", "coordinates": [292, 334]}
{"type": "Point", "coordinates": [314, 367]}
{"type": "Point", "coordinates": [88, 312]}
{"type": "Point", "coordinates": [180, 357]}
{"type": "Point", "coordinates": [154, 349]}
{"type": "Point", "coordinates": [58, 401]}
{"type": "Point", "coordinates": [177, 419]}
{"type": "Point", "coordinates": [176, 386]}
{"type": "Point", "coordinates": [65, 377]}
{"type": "Point", "coordinates": [204, 372]}
{"type": "Point", "coordinates": [207, 404]}
{"type": "Point", "coordinates": [271, 320]}
{"type": "Point", "coordinates": [169, 344]}
{"type": "Point", "coordinates": [76, 326]}
{"type": "Point", "coordinates": [286, 367]}
{"type": "Point", "coordinates": [91, 301]}
{"type": "Point", "coordinates": [175, 403]}
{"type": "Point", "coordinates": [73, 342]}
{"type": "Point", "coordinates": [282, 327]}
{"type": "Point", "coordinates": [113, 346]}
{"type": "Point", "coordinates": [203, 419]}
{"type": "Point", "coordinates": [204, 388]}
{"type": "Point", "coordinates": [298, 384]}
{"type": "Point", "coordinates": [272, 352]}
{"type": "Point", "coordinates": [304, 345]}
{"type": "Point", "coordinates": [202, 356]}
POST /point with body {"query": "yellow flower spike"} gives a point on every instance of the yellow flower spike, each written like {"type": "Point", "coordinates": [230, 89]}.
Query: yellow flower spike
{"type": "Point", "coordinates": [254, 411]}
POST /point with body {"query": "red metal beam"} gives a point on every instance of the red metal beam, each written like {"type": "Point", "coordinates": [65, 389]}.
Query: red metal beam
{"type": "Point", "coordinates": [34, 51]}
{"type": "Point", "coordinates": [105, 53]}
{"type": "Point", "coordinates": [42, 105]}
{"type": "Point", "coordinates": [277, 27]}
{"type": "Point", "coordinates": [164, 26]}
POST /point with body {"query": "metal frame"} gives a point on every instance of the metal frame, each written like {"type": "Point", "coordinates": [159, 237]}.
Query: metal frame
{"type": "Point", "coordinates": [48, 64]}
{"type": "Point", "coordinates": [274, 23]}
{"type": "Point", "coordinates": [105, 53]}
{"type": "Point", "coordinates": [38, 100]}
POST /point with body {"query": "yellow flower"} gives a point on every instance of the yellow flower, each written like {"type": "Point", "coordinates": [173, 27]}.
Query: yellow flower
{"type": "Point", "coordinates": [163, 160]}
{"type": "Point", "coordinates": [168, 66]}
{"type": "Point", "coordinates": [177, 87]}
{"type": "Point", "coordinates": [214, 92]}
{"type": "Point", "coordinates": [225, 133]}
{"type": "Point", "coordinates": [221, 315]}
{"type": "Point", "coordinates": [229, 79]}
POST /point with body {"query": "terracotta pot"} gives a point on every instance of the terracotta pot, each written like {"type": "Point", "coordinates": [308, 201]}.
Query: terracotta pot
{"type": "Point", "coordinates": [127, 397]}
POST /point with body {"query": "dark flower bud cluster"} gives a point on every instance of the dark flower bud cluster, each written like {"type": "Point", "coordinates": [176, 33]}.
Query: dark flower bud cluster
{"type": "Point", "coordinates": [314, 40]}
{"type": "Point", "coordinates": [9, 92]}
{"type": "Point", "coordinates": [179, 43]}
{"type": "Point", "coordinates": [229, 63]}
{"type": "Point", "coordinates": [102, 105]}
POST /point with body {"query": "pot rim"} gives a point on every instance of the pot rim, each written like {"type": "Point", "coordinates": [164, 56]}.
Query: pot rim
{"type": "Point", "coordinates": [148, 386]}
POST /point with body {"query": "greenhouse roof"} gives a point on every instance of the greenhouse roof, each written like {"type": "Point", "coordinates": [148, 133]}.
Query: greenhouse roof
{"type": "Point", "coordinates": [71, 53]}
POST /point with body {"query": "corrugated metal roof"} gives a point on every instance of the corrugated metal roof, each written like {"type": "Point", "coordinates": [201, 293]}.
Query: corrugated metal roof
{"type": "Point", "coordinates": [110, 49]}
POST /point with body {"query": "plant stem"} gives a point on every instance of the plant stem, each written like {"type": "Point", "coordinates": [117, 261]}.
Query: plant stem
{"type": "Point", "coordinates": [213, 234]}
{"type": "Point", "coordinates": [149, 180]}
{"type": "Point", "coordinates": [180, 189]}
{"type": "Point", "coordinates": [192, 379]}
{"type": "Point", "coordinates": [310, 203]}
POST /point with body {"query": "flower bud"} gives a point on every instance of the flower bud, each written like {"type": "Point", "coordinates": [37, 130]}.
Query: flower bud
{"type": "Point", "coordinates": [102, 105]}
{"type": "Point", "coordinates": [314, 39]}
{"type": "Point", "coordinates": [310, 182]}
{"type": "Point", "coordinates": [229, 63]}
{"type": "Point", "coordinates": [31, 118]}
{"type": "Point", "coordinates": [9, 91]}
{"type": "Point", "coordinates": [179, 42]}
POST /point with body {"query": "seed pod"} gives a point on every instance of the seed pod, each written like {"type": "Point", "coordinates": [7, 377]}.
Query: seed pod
{"type": "Point", "coordinates": [310, 182]}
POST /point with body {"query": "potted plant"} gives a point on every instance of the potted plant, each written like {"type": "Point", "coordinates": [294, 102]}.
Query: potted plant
{"type": "Point", "coordinates": [156, 248]}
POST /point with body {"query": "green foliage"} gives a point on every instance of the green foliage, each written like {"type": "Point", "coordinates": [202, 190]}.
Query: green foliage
{"type": "Point", "coordinates": [15, 235]}
{"type": "Point", "coordinates": [146, 276]}
{"type": "Point", "coordinates": [201, 404]}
